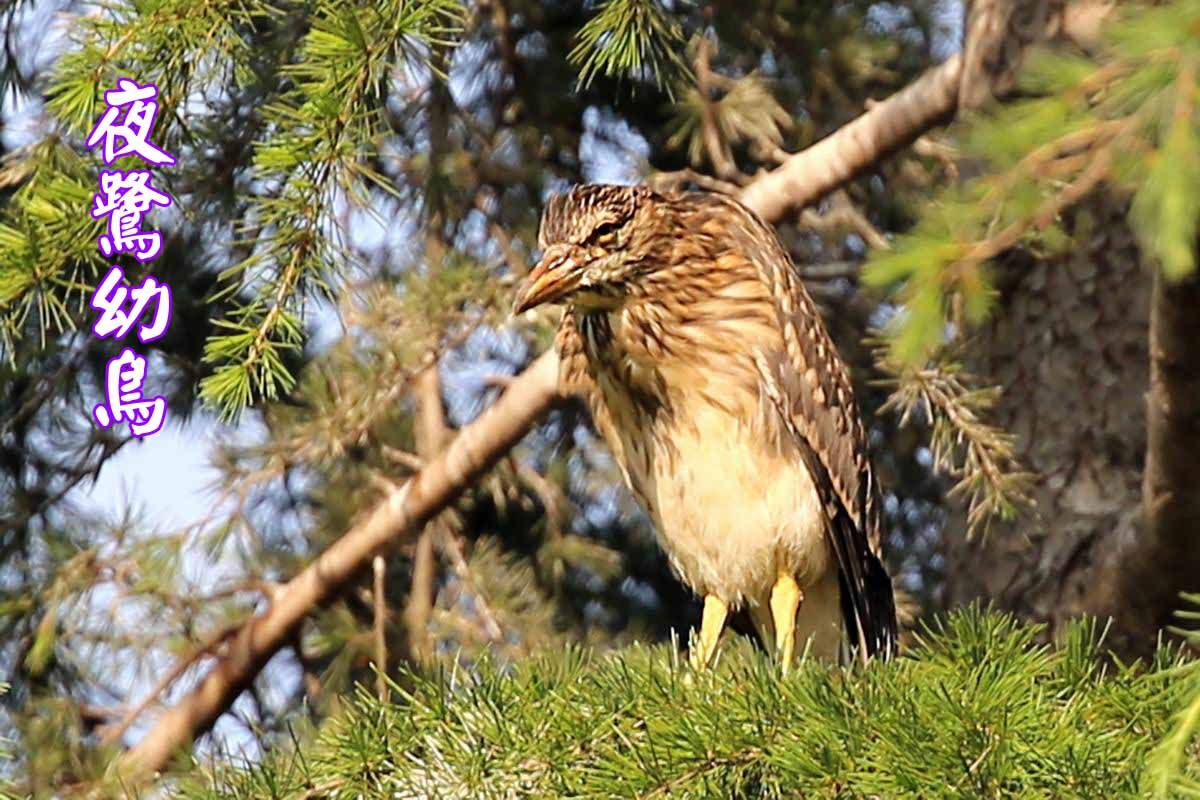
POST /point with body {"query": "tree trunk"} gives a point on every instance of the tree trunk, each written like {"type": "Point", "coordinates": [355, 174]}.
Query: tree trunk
{"type": "Point", "coordinates": [1111, 535]}
{"type": "Point", "coordinates": [1068, 345]}
{"type": "Point", "coordinates": [1141, 578]}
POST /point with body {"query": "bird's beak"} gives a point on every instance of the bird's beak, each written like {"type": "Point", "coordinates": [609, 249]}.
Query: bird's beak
{"type": "Point", "coordinates": [549, 281]}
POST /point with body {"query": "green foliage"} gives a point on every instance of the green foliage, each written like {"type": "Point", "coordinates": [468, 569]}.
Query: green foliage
{"type": "Point", "coordinates": [976, 709]}
{"type": "Point", "coordinates": [1126, 117]}
{"type": "Point", "coordinates": [979, 456]}
{"type": "Point", "coordinates": [322, 130]}
{"type": "Point", "coordinates": [635, 39]}
{"type": "Point", "coordinates": [48, 256]}
{"type": "Point", "coordinates": [321, 125]}
{"type": "Point", "coordinates": [49, 263]}
{"type": "Point", "coordinates": [1167, 775]}
{"type": "Point", "coordinates": [1166, 211]}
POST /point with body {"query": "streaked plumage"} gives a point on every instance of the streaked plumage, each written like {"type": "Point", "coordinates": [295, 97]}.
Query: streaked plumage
{"type": "Point", "coordinates": [714, 382]}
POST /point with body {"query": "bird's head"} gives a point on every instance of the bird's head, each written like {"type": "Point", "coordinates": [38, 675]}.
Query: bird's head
{"type": "Point", "coordinates": [594, 239]}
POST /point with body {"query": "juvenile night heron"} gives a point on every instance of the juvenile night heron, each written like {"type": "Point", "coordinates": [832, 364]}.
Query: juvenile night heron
{"type": "Point", "coordinates": [711, 376]}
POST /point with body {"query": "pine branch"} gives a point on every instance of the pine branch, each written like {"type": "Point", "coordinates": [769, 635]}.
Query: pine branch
{"type": "Point", "coordinates": [316, 155]}
{"type": "Point", "coordinates": [716, 113]}
{"type": "Point", "coordinates": [979, 456]}
{"type": "Point", "coordinates": [978, 708]}
{"type": "Point", "coordinates": [635, 39]}
{"type": "Point", "coordinates": [1165, 774]}
{"type": "Point", "coordinates": [210, 643]}
{"type": "Point", "coordinates": [843, 155]}
{"type": "Point", "coordinates": [1092, 122]}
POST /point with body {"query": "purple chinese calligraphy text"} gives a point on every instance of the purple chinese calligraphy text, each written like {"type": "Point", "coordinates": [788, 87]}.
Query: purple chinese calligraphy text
{"type": "Point", "coordinates": [124, 402]}
{"type": "Point", "coordinates": [124, 197]}
{"type": "Point", "coordinates": [133, 128]}
{"type": "Point", "coordinates": [116, 319]}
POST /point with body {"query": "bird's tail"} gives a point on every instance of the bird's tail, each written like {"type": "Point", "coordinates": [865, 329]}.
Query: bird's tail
{"type": "Point", "coordinates": [870, 612]}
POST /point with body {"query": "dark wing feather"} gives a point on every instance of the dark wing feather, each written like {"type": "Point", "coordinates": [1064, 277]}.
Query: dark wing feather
{"type": "Point", "coordinates": [807, 383]}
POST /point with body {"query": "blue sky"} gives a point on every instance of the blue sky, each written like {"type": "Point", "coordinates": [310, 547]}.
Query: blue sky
{"type": "Point", "coordinates": [166, 475]}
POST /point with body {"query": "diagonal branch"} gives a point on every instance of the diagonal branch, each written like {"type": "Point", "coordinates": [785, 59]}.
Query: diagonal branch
{"type": "Point", "coordinates": [396, 517]}
{"type": "Point", "coordinates": [931, 100]}
{"type": "Point", "coordinates": [858, 145]}
{"type": "Point", "coordinates": [114, 732]}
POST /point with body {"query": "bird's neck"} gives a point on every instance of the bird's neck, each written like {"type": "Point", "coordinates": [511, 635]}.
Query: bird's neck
{"type": "Point", "coordinates": [598, 300]}
{"type": "Point", "coordinates": [693, 330]}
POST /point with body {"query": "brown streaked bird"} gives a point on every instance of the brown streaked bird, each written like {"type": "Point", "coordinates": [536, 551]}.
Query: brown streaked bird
{"type": "Point", "coordinates": [711, 376]}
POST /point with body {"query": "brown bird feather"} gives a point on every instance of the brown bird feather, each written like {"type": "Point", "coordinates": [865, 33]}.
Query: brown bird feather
{"type": "Point", "coordinates": [710, 374]}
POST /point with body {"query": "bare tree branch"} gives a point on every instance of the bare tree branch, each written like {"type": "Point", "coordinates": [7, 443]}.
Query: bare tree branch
{"type": "Point", "coordinates": [114, 732]}
{"type": "Point", "coordinates": [476, 448]}
{"type": "Point", "coordinates": [672, 180]}
{"type": "Point", "coordinates": [452, 547]}
{"type": "Point", "coordinates": [379, 630]}
{"type": "Point", "coordinates": [715, 145]}
{"type": "Point", "coordinates": [845, 215]}
{"type": "Point", "coordinates": [887, 127]}
{"type": "Point", "coordinates": [431, 434]}
{"type": "Point", "coordinates": [985, 71]}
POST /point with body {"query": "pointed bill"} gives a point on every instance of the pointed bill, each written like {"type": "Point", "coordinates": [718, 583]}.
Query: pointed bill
{"type": "Point", "coordinates": [554, 277]}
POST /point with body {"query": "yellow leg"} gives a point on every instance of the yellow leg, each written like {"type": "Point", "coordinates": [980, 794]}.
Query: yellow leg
{"type": "Point", "coordinates": [713, 623]}
{"type": "Point", "coordinates": [785, 601]}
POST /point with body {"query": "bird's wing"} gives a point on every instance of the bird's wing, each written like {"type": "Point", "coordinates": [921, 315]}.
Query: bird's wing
{"type": "Point", "coordinates": [807, 387]}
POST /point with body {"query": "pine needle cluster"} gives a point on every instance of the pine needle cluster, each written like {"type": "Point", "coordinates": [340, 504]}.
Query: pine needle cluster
{"type": "Point", "coordinates": [976, 709]}
{"type": "Point", "coordinates": [979, 456]}
{"type": "Point", "coordinates": [1170, 766]}
{"type": "Point", "coordinates": [634, 39]}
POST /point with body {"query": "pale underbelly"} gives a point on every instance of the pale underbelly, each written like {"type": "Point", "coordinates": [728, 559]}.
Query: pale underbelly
{"type": "Point", "coordinates": [730, 514]}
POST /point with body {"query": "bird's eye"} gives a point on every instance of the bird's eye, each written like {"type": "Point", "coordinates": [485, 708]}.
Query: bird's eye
{"type": "Point", "coordinates": [606, 232]}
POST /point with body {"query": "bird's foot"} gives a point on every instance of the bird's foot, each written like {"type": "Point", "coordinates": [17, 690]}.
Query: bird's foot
{"type": "Point", "coordinates": [786, 597]}
{"type": "Point", "coordinates": [704, 646]}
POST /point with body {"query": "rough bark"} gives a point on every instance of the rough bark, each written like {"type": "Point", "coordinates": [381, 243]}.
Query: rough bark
{"type": "Point", "coordinates": [1150, 571]}
{"type": "Point", "coordinates": [1100, 368]}
{"type": "Point", "coordinates": [1067, 346]}
{"type": "Point", "coordinates": [1139, 583]}
{"type": "Point", "coordinates": [1111, 432]}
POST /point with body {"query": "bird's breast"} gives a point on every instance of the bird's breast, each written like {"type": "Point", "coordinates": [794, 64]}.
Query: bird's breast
{"type": "Point", "coordinates": [688, 434]}
{"type": "Point", "coordinates": [731, 512]}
